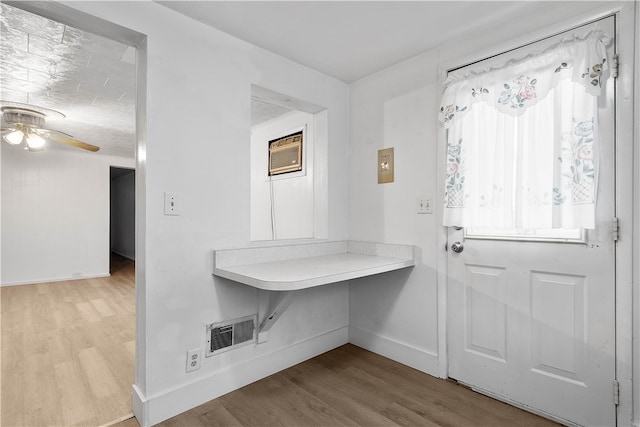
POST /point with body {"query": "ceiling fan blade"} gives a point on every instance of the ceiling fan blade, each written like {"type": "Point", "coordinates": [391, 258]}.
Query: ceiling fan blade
{"type": "Point", "coordinates": [66, 139]}
{"type": "Point", "coordinates": [6, 129]}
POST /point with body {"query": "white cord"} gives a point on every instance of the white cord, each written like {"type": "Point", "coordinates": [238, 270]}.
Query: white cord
{"type": "Point", "coordinates": [273, 211]}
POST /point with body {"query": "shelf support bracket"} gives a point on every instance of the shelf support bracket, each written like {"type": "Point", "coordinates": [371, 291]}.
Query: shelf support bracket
{"type": "Point", "coordinates": [276, 303]}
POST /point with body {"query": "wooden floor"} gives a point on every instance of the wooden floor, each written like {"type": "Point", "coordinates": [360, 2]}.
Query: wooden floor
{"type": "Point", "coordinates": [350, 386]}
{"type": "Point", "coordinates": [68, 357]}
{"type": "Point", "coordinates": [68, 350]}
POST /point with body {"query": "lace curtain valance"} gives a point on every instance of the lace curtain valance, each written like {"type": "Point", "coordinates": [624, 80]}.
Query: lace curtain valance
{"type": "Point", "coordinates": [517, 85]}
{"type": "Point", "coordinates": [522, 139]}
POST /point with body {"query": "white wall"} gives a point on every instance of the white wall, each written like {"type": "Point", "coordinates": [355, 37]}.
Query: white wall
{"type": "Point", "coordinates": [55, 218]}
{"type": "Point", "coordinates": [282, 206]}
{"type": "Point", "coordinates": [395, 314]}
{"type": "Point", "coordinates": [198, 109]}
{"type": "Point", "coordinates": [123, 215]}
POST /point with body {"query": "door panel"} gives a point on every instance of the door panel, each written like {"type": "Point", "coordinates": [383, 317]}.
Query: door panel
{"type": "Point", "coordinates": [558, 325]}
{"type": "Point", "coordinates": [485, 314]}
{"type": "Point", "coordinates": [533, 322]}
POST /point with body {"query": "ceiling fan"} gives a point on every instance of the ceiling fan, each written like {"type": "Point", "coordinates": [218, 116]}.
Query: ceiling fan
{"type": "Point", "coordinates": [25, 123]}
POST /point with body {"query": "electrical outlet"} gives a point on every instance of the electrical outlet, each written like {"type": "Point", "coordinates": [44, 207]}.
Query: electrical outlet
{"type": "Point", "coordinates": [171, 206]}
{"type": "Point", "coordinates": [193, 359]}
{"type": "Point", "coordinates": [424, 206]}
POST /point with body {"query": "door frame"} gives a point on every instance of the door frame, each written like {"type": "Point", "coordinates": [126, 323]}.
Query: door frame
{"type": "Point", "coordinates": [84, 21]}
{"type": "Point", "coordinates": [625, 162]}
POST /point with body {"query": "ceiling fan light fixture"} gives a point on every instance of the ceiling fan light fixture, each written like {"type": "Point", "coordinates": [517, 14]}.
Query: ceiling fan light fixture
{"type": "Point", "coordinates": [27, 124]}
{"type": "Point", "coordinates": [14, 138]}
{"type": "Point", "coordinates": [35, 142]}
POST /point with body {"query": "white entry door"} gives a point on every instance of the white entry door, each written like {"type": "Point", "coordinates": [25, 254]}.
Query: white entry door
{"type": "Point", "coordinates": [533, 322]}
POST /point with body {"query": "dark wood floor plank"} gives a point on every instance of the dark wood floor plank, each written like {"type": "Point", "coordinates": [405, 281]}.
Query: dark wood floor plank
{"type": "Point", "coordinates": [400, 384]}
{"type": "Point", "coordinates": [350, 386]}
{"type": "Point", "coordinates": [248, 410]}
{"type": "Point", "coordinates": [217, 415]}
{"type": "Point", "coordinates": [439, 401]}
{"type": "Point", "coordinates": [326, 412]}
{"type": "Point", "coordinates": [317, 380]}
{"type": "Point", "coordinates": [442, 395]}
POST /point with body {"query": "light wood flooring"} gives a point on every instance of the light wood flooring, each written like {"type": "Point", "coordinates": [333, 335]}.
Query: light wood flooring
{"type": "Point", "coordinates": [68, 350]}
{"type": "Point", "coordinates": [350, 386]}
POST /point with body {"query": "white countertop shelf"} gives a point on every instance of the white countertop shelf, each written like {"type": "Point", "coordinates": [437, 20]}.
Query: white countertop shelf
{"type": "Point", "coordinates": [294, 267]}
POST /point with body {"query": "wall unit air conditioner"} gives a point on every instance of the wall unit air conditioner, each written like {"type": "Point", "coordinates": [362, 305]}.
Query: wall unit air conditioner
{"type": "Point", "coordinates": [285, 154]}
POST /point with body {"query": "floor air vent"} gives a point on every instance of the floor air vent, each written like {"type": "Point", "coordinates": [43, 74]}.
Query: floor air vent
{"type": "Point", "coordinates": [231, 334]}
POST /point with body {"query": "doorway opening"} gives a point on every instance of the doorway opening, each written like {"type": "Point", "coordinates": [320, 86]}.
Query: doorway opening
{"type": "Point", "coordinates": [122, 222]}
{"type": "Point", "coordinates": [96, 324]}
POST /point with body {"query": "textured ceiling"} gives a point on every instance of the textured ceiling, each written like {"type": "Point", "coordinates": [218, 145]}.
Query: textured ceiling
{"type": "Point", "coordinates": [88, 78]}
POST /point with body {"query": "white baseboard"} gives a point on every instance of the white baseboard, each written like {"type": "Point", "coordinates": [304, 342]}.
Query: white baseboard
{"type": "Point", "coordinates": [414, 357]}
{"type": "Point", "coordinates": [138, 406]}
{"type": "Point", "coordinates": [155, 409]}
{"type": "Point", "coordinates": [54, 279]}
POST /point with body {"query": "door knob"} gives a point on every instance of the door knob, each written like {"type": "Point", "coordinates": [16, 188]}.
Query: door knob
{"type": "Point", "coordinates": [457, 247]}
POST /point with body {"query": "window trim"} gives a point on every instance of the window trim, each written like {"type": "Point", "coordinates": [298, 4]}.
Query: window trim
{"type": "Point", "coordinates": [469, 234]}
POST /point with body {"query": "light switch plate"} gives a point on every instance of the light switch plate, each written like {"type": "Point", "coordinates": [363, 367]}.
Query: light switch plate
{"type": "Point", "coordinates": [424, 205]}
{"type": "Point", "coordinates": [171, 206]}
